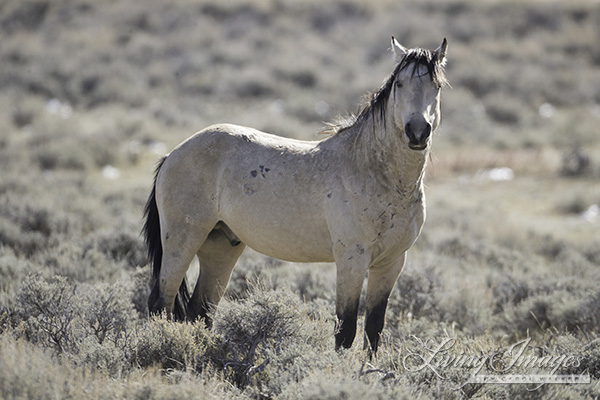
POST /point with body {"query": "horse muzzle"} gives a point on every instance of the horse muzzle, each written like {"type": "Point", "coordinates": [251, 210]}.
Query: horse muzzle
{"type": "Point", "coordinates": [418, 135]}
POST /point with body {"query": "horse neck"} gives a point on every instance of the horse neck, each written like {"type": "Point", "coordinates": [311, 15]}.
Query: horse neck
{"type": "Point", "coordinates": [378, 146]}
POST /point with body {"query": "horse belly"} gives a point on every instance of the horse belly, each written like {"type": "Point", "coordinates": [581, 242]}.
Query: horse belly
{"type": "Point", "coordinates": [289, 246]}
{"type": "Point", "coordinates": [277, 219]}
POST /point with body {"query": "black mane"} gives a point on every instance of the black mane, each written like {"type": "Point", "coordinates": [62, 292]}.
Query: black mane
{"type": "Point", "coordinates": [377, 100]}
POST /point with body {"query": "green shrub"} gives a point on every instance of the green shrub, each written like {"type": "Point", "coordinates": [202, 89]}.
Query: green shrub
{"type": "Point", "coordinates": [504, 110]}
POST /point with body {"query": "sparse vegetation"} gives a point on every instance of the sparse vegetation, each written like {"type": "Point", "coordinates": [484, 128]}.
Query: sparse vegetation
{"type": "Point", "coordinates": [92, 93]}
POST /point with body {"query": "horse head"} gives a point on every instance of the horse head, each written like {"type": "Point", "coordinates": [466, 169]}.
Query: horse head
{"type": "Point", "coordinates": [416, 92]}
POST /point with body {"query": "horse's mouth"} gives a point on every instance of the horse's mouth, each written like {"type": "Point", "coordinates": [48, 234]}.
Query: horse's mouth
{"type": "Point", "coordinates": [417, 146]}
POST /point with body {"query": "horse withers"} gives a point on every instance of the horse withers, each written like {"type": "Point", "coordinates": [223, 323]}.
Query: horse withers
{"type": "Point", "coordinates": [355, 198]}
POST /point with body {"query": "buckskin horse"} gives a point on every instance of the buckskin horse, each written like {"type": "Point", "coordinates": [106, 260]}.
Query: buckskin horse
{"type": "Point", "coordinates": [354, 198]}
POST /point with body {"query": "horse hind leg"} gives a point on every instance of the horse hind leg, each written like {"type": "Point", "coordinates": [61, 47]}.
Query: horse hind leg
{"type": "Point", "coordinates": [179, 248]}
{"type": "Point", "coordinates": [165, 291]}
{"type": "Point", "coordinates": [218, 256]}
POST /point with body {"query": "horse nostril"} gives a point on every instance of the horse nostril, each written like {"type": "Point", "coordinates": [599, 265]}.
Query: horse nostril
{"type": "Point", "coordinates": [426, 132]}
{"type": "Point", "coordinates": [408, 130]}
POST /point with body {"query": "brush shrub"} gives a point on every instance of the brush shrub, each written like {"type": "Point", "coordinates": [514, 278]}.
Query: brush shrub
{"type": "Point", "coordinates": [509, 290]}
{"type": "Point", "coordinates": [249, 274]}
{"type": "Point", "coordinates": [170, 346]}
{"type": "Point", "coordinates": [46, 309]}
{"type": "Point", "coordinates": [79, 263]}
{"type": "Point", "coordinates": [13, 268]}
{"type": "Point", "coordinates": [253, 332]}
{"type": "Point", "coordinates": [26, 227]}
{"type": "Point", "coordinates": [120, 245]}
{"type": "Point", "coordinates": [108, 311]}
{"type": "Point", "coordinates": [311, 285]}
{"type": "Point", "coordinates": [590, 359]}
{"type": "Point", "coordinates": [414, 293]}
{"type": "Point", "coordinates": [561, 308]}
{"type": "Point", "coordinates": [140, 289]}
{"type": "Point", "coordinates": [87, 322]}
{"type": "Point", "coordinates": [261, 343]}
{"type": "Point", "coordinates": [322, 388]}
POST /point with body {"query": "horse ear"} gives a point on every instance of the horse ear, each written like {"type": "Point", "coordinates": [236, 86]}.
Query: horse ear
{"type": "Point", "coordinates": [440, 53]}
{"type": "Point", "coordinates": [398, 49]}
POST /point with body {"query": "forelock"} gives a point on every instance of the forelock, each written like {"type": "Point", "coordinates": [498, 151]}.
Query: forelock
{"type": "Point", "coordinates": [417, 57]}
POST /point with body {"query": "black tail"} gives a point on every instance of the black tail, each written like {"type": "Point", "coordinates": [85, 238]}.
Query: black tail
{"type": "Point", "coordinates": [151, 232]}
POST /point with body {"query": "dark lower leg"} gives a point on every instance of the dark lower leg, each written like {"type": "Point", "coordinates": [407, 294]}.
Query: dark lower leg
{"type": "Point", "coordinates": [155, 303]}
{"type": "Point", "coordinates": [346, 328]}
{"type": "Point", "coordinates": [203, 311]}
{"type": "Point", "coordinates": [374, 322]}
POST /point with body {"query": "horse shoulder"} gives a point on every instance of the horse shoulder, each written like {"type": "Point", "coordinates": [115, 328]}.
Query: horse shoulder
{"type": "Point", "coordinates": [384, 223]}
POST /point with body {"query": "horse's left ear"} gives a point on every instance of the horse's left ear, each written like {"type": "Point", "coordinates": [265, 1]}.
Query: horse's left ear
{"type": "Point", "coordinates": [398, 49]}
{"type": "Point", "coordinates": [440, 53]}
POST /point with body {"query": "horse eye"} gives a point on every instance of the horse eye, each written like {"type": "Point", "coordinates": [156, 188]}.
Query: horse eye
{"type": "Point", "coordinates": [398, 84]}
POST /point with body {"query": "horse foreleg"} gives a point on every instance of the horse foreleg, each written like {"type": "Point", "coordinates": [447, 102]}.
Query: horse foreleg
{"type": "Point", "coordinates": [350, 277]}
{"type": "Point", "coordinates": [217, 257]}
{"type": "Point", "coordinates": [381, 281]}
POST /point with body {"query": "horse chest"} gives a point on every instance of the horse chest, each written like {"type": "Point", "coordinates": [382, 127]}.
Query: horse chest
{"type": "Point", "coordinates": [389, 228]}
